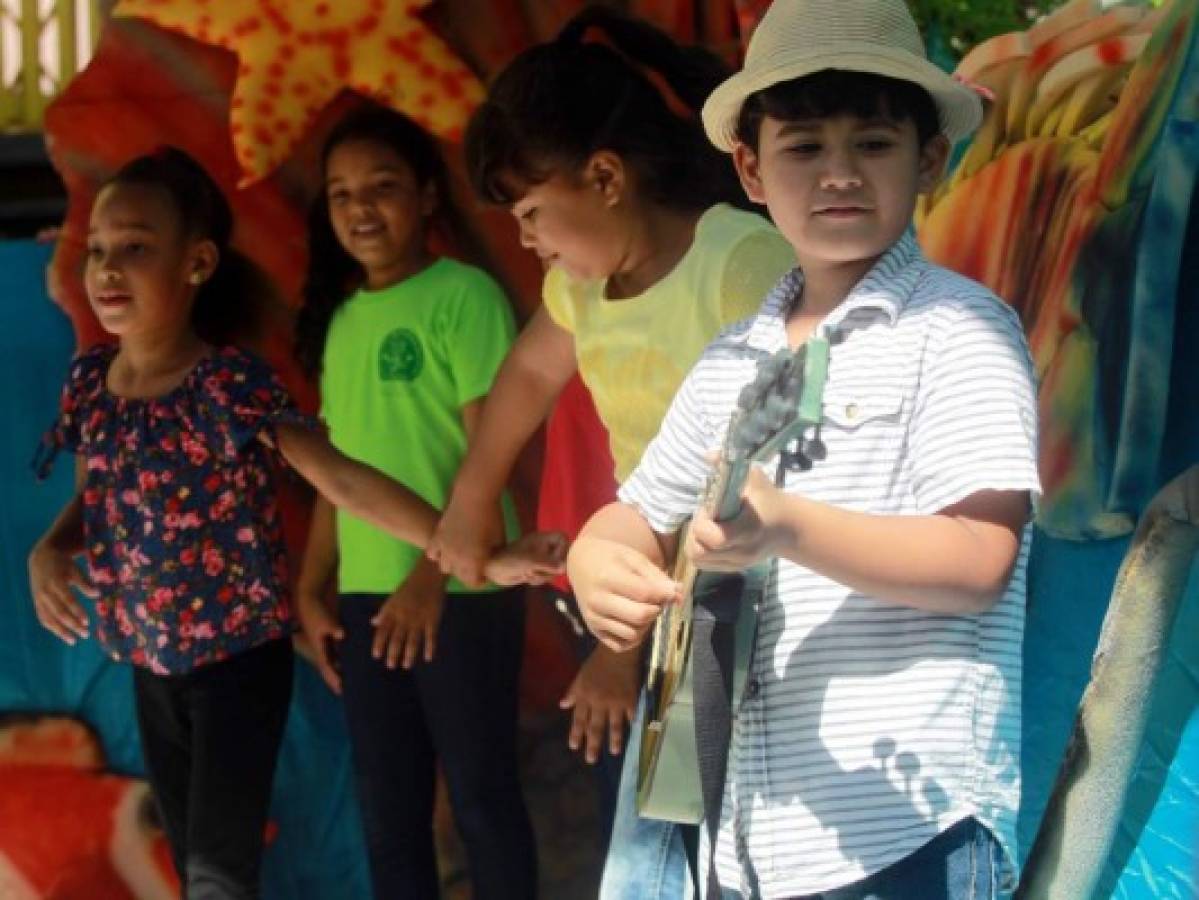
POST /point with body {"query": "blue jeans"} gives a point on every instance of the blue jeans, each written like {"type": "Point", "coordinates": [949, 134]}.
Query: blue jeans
{"type": "Point", "coordinates": [646, 858]}
{"type": "Point", "coordinates": [964, 862]}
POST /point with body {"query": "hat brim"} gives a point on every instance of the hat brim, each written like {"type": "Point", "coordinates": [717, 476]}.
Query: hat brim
{"type": "Point", "coordinates": [960, 108]}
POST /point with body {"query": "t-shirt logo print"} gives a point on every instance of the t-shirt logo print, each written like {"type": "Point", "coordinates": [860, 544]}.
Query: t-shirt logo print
{"type": "Point", "coordinates": [401, 357]}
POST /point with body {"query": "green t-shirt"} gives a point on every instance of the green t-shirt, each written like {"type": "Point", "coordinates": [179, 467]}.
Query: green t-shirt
{"type": "Point", "coordinates": [399, 365]}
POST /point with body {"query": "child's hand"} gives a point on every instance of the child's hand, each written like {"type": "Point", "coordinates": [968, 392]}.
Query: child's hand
{"type": "Point", "coordinates": [465, 539]}
{"type": "Point", "coordinates": [407, 622]}
{"type": "Point", "coordinates": [603, 697]}
{"type": "Point", "coordinates": [755, 534]}
{"type": "Point", "coordinates": [52, 574]}
{"type": "Point", "coordinates": [530, 559]}
{"type": "Point", "coordinates": [322, 632]}
{"type": "Point", "coordinates": [619, 590]}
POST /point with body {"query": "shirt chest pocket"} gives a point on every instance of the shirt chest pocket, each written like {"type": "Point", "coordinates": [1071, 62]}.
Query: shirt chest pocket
{"type": "Point", "coordinates": [859, 414]}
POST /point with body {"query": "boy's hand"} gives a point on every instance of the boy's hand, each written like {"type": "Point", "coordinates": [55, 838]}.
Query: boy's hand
{"type": "Point", "coordinates": [619, 590]}
{"type": "Point", "coordinates": [464, 539]}
{"type": "Point", "coordinates": [755, 534]}
{"type": "Point", "coordinates": [530, 559]}
{"type": "Point", "coordinates": [52, 574]}
{"type": "Point", "coordinates": [323, 633]}
{"type": "Point", "coordinates": [603, 697]}
{"type": "Point", "coordinates": [407, 622]}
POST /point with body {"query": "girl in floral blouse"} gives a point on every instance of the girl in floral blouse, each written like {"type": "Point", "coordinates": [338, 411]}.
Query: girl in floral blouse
{"type": "Point", "coordinates": [177, 434]}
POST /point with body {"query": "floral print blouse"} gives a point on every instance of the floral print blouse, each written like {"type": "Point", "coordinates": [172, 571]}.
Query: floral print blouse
{"type": "Point", "coordinates": [180, 515]}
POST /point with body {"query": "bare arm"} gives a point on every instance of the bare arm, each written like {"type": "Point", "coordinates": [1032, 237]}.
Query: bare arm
{"type": "Point", "coordinates": [320, 551]}
{"type": "Point", "coordinates": [541, 362]}
{"type": "Point", "coordinates": [357, 488]}
{"type": "Point", "coordinates": [956, 562]}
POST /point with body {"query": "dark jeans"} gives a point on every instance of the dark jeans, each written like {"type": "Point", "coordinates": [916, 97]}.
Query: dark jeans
{"type": "Point", "coordinates": [459, 710]}
{"type": "Point", "coordinates": [210, 739]}
{"type": "Point", "coordinates": [962, 863]}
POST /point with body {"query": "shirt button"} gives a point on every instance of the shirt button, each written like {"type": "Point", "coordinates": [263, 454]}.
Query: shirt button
{"type": "Point", "coordinates": [753, 688]}
{"type": "Point", "coordinates": [851, 411]}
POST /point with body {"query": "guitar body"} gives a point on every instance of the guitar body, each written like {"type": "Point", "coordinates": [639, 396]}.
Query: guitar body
{"type": "Point", "coordinates": [780, 406]}
{"type": "Point", "coordinates": [668, 785]}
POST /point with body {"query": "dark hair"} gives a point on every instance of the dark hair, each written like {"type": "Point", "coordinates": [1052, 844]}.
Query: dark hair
{"type": "Point", "coordinates": [558, 103]}
{"type": "Point", "coordinates": [228, 306]}
{"type": "Point", "coordinates": [332, 274]}
{"type": "Point", "coordinates": [833, 92]}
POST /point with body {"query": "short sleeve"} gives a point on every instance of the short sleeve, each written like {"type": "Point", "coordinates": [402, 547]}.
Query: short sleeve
{"type": "Point", "coordinates": [249, 399]}
{"type": "Point", "coordinates": [752, 269]}
{"type": "Point", "coordinates": [78, 408]}
{"type": "Point", "coordinates": [477, 334]}
{"type": "Point", "coordinates": [557, 299]}
{"type": "Point", "coordinates": [669, 481]}
{"type": "Point", "coordinates": [974, 422]}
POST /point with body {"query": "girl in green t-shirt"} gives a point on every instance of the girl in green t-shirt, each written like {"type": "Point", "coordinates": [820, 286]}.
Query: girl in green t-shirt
{"type": "Point", "coordinates": [406, 344]}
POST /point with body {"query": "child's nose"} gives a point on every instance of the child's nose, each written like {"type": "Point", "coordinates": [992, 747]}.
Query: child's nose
{"type": "Point", "coordinates": [841, 171]}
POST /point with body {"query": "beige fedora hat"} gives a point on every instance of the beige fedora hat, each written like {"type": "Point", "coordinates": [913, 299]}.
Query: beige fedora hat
{"type": "Point", "coordinates": [799, 37]}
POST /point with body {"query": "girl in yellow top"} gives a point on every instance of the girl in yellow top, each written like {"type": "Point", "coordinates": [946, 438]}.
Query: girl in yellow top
{"type": "Point", "coordinates": [594, 143]}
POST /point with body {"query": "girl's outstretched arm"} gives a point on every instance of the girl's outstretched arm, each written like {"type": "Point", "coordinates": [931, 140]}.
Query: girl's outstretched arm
{"type": "Point", "coordinates": [357, 488]}
{"type": "Point", "coordinates": [540, 364]}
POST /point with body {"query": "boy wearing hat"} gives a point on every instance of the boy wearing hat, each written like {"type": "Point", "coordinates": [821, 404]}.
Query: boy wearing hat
{"type": "Point", "coordinates": [875, 752]}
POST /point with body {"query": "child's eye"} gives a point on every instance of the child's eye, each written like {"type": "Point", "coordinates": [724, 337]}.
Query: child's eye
{"type": "Point", "coordinates": [875, 145]}
{"type": "Point", "coordinates": [338, 198]}
{"type": "Point", "coordinates": [135, 248]}
{"type": "Point", "coordinates": [94, 251]}
{"type": "Point", "coordinates": [807, 148]}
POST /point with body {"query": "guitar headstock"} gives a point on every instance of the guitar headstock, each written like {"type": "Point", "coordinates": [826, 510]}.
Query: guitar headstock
{"type": "Point", "coordinates": [780, 405]}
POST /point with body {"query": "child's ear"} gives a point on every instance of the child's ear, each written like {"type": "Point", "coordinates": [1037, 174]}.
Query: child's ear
{"type": "Point", "coordinates": [204, 259]}
{"type": "Point", "coordinates": [933, 157]}
{"type": "Point", "coordinates": [605, 172]}
{"type": "Point", "coordinates": [748, 166]}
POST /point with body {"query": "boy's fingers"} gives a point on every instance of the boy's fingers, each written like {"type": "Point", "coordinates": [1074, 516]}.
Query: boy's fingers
{"type": "Point", "coordinates": [616, 635]}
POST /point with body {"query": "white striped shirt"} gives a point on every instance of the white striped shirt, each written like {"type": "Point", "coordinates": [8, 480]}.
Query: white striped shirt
{"type": "Point", "coordinates": [868, 728]}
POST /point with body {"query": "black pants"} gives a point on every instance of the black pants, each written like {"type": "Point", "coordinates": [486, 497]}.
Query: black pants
{"type": "Point", "coordinates": [459, 710]}
{"type": "Point", "coordinates": [210, 739]}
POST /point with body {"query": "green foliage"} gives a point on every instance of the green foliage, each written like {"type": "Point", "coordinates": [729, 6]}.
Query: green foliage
{"type": "Point", "coordinates": [952, 27]}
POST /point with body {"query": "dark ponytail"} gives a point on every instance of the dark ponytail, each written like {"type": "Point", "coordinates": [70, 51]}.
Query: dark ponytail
{"type": "Point", "coordinates": [608, 82]}
{"type": "Point", "coordinates": [228, 306]}
{"type": "Point", "coordinates": [332, 274]}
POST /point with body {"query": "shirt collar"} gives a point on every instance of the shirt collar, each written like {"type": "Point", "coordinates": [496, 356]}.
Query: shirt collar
{"type": "Point", "coordinates": [887, 287]}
